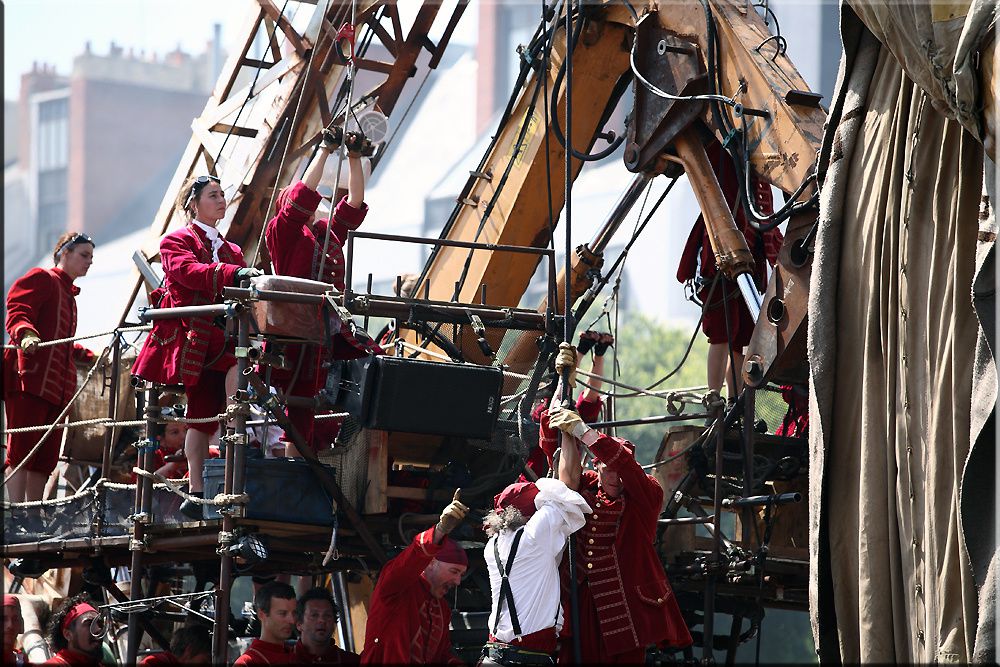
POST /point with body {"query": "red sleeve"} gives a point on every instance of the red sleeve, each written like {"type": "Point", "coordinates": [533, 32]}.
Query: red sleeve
{"type": "Point", "coordinates": [347, 218]}
{"type": "Point", "coordinates": [688, 266]}
{"type": "Point", "coordinates": [299, 204]}
{"type": "Point", "coordinates": [80, 353]}
{"type": "Point", "coordinates": [26, 301]}
{"type": "Point", "coordinates": [548, 437]}
{"type": "Point", "coordinates": [402, 571]}
{"type": "Point", "coordinates": [589, 411]}
{"type": "Point", "coordinates": [773, 241]}
{"type": "Point", "coordinates": [611, 452]}
{"type": "Point", "coordinates": [182, 266]}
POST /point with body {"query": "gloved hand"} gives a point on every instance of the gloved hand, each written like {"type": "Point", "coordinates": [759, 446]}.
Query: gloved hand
{"type": "Point", "coordinates": [566, 360]}
{"type": "Point", "coordinates": [247, 272]}
{"type": "Point", "coordinates": [29, 342]}
{"type": "Point", "coordinates": [587, 340]}
{"type": "Point", "coordinates": [568, 422]}
{"type": "Point", "coordinates": [332, 139]}
{"type": "Point", "coordinates": [355, 142]}
{"type": "Point", "coordinates": [605, 341]}
{"type": "Point", "coordinates": [452, 515]}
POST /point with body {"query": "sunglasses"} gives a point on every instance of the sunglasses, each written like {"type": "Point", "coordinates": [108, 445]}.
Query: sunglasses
{"type": "Point", "coordinates": [75, 241]}
{"type": "Point", "coordinates": [198, 186]}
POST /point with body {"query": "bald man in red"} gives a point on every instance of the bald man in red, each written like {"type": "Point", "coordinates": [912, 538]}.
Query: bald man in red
{"type": "Point", "coordinates": [408, 620]}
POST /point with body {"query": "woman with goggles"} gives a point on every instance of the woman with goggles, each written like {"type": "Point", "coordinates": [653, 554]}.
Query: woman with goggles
{"type": "Point", "coordinates": [197, 263]}
{"type": "Point", "coordinates": [39, 381]}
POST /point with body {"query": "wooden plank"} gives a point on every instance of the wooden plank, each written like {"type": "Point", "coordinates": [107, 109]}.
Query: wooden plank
{"type": "Point", "coordinates": [296, 40]}
{"type": "Point", "coordinates": [234, 130]}
{"type": "Point", "coordinates": [231, 69]}
{"type": "Point", "coordinates": [376, 501]}
{"type": "Point", "coordinates": [236, 100]}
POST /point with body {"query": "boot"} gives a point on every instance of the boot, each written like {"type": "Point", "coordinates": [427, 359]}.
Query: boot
{"type": "Point", "coordinates": [193, 510]}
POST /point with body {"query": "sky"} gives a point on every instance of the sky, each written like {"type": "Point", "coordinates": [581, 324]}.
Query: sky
{"type": "Point", "coordinates": [32, 35]}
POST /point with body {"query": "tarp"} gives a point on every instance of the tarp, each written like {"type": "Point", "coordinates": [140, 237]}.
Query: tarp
{"type": "Point", "coordinates": [898, 390]}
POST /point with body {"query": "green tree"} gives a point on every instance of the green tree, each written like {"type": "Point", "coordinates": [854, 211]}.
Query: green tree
{"type": "Point", "coordinates": [647, 350]}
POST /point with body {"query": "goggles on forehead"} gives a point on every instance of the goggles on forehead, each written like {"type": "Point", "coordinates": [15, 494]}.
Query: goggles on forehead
{"type": "Point", "coordinates": [75, 241]}
{"type": "Point", "coordinates": [198, 185]}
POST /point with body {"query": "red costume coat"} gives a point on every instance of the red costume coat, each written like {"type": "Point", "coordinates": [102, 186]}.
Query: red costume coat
{"type": "Point", "coordinates": [176, 351]}
{"type": "Point", "coordinates": [73, 659]}
{"type": "Point", "coordinates": [334, 655]}
{"type": "Point", "coordinates": [617, 565]}
{"type": "Point", "coordinates": [295, 243]}
{"type": "Point", "coordinates": [159, 659]}
{"type": "Point", "coordinates": [406, 624]}
{"type": "Point", "coordinates": [265, 653]}
{"type": "Point", "coordinates": [698, 259]}
{"type": "Point", "coordinates": [43, 301]}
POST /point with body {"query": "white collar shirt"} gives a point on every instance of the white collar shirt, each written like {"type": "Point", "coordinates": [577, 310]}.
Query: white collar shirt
{"type": "Point", "coordinates": [534, 577]}
{"type": "Point", "coordinates": [213, 236]}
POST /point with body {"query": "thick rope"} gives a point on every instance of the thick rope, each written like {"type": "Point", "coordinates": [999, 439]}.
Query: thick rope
{"type": "Point", "coordinates": [60, 341]}
{"type": "Point", "coordinates": [220, 499]}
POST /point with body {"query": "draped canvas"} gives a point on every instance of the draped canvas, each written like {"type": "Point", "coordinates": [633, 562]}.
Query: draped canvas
{"type": "Point", "coordinates": [892, 342]}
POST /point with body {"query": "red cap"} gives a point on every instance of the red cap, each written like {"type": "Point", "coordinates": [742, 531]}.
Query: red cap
{"type": "Point", "coordinates": [78, 610]}
{"type": "Point", "coordinates": [520, 495]}
{"type": "Point", "coordinates": [452, 553]}
{"type": "Point", "coordinates": [11, 601]}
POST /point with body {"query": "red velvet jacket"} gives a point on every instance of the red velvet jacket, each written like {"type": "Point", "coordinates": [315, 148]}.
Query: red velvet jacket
{"type": "Point", "coordinates": [334, 655]}
{"type": "Point", "coordinates": [763, 247]}
{"type": "Point", "coordinates": [43, 301]}
{"type": "Point", "coordinates": [265, 653]}
{"type": "Point", "coordinates": [73, 659]}
{"type": "Point", "coordinates": [406, 624]}
{"type": "Point", "coordinates": [295, 244]}
{"type": "Point", "coordinates": [175, 351]}
{"type": "Point", "coordinates": [616, 558]}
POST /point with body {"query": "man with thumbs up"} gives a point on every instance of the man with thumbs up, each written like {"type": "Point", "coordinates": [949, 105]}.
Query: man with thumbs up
{"type": "Point", "coordinates": [409, 618]}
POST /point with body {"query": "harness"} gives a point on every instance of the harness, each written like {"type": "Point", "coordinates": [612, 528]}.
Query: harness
{"type": "Point", "coordinates": [506, 593]}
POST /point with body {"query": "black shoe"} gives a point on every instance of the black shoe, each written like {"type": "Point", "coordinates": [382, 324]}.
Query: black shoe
{"type": "Point", "coordinates": [193, 510]}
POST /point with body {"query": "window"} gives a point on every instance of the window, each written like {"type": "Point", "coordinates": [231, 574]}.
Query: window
{"type": "Point", "coordinates": [52, 154]}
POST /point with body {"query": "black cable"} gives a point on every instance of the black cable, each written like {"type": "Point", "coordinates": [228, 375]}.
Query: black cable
{"type": "Point", "coordinates": [582, 309]}
{"type": "Point", "coordinates": [761, 223]}
{"type": "Point", "coordinates": [620, 87]}
{"type": "Point", "coordinates": [687, 352]}
{"type": "Point", "coordinates": [505, 117]}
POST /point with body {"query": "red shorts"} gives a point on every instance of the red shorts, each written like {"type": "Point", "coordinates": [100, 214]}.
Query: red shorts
{"type": "Point", "coordinates": [28, 410]}
{"type": "Point", "coordinates": [206, 399]}
{"type": "Point", "coordinates": [727, 303]}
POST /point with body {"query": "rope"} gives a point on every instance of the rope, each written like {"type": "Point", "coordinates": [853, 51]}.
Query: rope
{"type": "Point", "coordinates": [107, 422]}
{"type": "Point", "coordinates": [65, 411]}
{"type": "Point", "coordinates": [60, 341]}
{"type": "Point", "coordinates": [220, 499]}
{"type": "Point", "coordinates": [291, 130]}
{"type": "Point", "coordinates": [352, 72]}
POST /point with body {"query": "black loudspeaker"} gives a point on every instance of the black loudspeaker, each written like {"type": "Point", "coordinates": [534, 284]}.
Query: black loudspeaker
{"type": "Point", "coordinates": [415, 396]}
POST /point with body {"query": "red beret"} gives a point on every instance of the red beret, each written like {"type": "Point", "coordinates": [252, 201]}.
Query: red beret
{"type": "Point", "coordinates": [520, 495]}
{"type": "Point", "coordinates": [11, 601]}
{"type": "Point", "coordinates": [452, 553]}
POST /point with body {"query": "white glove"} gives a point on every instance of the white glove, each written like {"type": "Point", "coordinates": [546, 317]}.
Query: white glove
{"type": "Point", "coordinates": [566, 360]}
{"type": "Point", "coordinates": [568, 422]}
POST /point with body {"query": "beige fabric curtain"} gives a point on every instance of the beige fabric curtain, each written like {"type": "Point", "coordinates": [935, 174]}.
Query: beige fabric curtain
{"type": "Point", "coordinates": [892, 343]}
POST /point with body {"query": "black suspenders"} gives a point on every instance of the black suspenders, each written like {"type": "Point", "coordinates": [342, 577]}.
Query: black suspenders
{"type": "Point", "coordinates": [505, 591]}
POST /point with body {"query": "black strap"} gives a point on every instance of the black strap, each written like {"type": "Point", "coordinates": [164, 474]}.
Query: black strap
{"type": "Point", "coordinates": [505, 590]}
